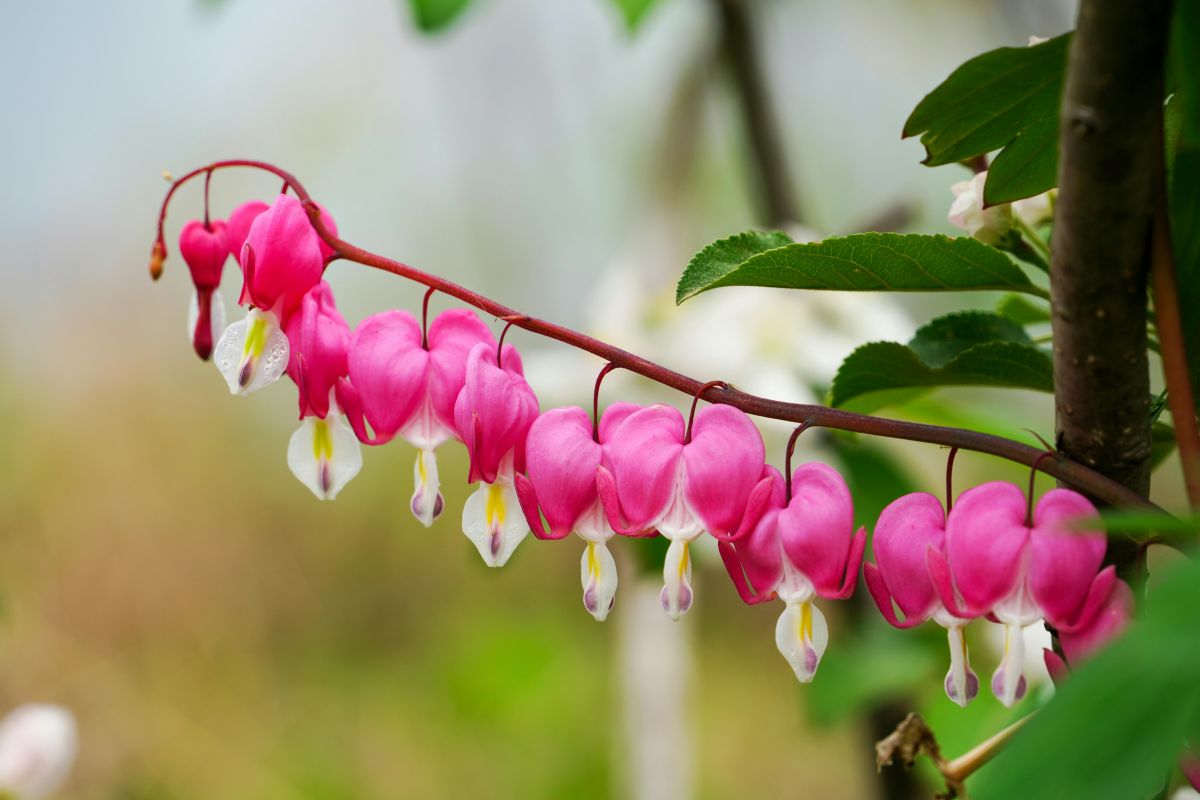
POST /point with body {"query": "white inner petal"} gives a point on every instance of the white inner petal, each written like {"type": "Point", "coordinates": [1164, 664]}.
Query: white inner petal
{"type": "Point", "coordinates": [801, 634]}
{"type": "Point", "coordinates": [677, 579]}
{"type": "Point", "coordinates": [598, 576]}
{"type": "Point", "coordinates": [252, 352]}
{"type": "Point", "coordinates": [493, 521]}
{"type": "Point", "coordinates": [427, 501]}
{"type": "Point", "coordinates": [324, 454]}
{"type": "Point", "coordinates": [424, 430]}
{"type": "Point", "coordinates": [677, 521]}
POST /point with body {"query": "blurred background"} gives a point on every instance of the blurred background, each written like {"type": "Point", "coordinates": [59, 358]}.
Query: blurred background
{"type": "Point", "coordinates": [221, 634]}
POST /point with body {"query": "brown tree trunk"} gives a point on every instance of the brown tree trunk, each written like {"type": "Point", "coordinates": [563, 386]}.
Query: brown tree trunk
{"type": "Point", "coordinates": [1111, 112]}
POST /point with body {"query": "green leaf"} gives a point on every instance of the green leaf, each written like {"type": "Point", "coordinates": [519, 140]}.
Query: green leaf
{"type": "Point", "coordinates": [723, 256]}
{"type": "Point", "coordinates": [870, 376]}
{"type": "Point", "coordinates": [967, 348]}
{"type": "Point", "coordinates": [1006, 98]}
{"type": "Point", "coordinates": [1022, 311]}
{"type": "Point", "coordinates": [434, 16]}
{"type": "Point", "coordinates": [937, 343]}
{"type": "Point", "coordinates": [1162, 443]}
{"type": "Point", "coordinates": [1139, 521]}
{"type": "Point", "coordinates": [634, 12]}
{"type": "Point", "coordinates": [861, 262]}
{"type": "Point", "coordinates": [1116, 728]}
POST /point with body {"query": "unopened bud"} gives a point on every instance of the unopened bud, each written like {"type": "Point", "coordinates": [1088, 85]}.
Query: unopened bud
{"type": "Point", "coordinates": [158, 254]}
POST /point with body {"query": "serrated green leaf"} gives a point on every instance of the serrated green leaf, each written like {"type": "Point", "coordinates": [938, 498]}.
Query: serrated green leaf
{"type": "Point", "coordinates": [861, 262]}
{"type": "Point", "coordinates": [1116, 728]}
{"type": "Point", "coordinates": [725, 255]}
{"type": "Point", "coordinates": [1021, 311]}
{"type": "Point", "coordinates": [634, 11]}
{"type": "Point", "coordinates": [434, 16]}
{"type": "Point", "coordinates": [872, 374]}
{"type": "Point", "coordinates": [938, 342]}
{"type": "Point", "coordinates": [1006, 98]}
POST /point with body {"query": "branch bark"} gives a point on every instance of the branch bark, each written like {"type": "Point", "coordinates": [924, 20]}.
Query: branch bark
{"type": "Point", "coordinates": [1111, 110]}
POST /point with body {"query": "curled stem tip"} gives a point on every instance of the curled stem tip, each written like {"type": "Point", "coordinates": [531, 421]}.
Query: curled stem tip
{"type": "Point", "coordinates": [787, 456]}
{"type": "Point", "coordinates": [510, 320]}
{"type": "Point", "coordinates": [425, 318]}
{"type": "Point", "coordinates": [687, 437]}
{"type": "Point", "coordinates": [207, 180]}
{"type": "Point", "coordinates": [1037, 462]}
{"type": "Point", "coordinates": [950, 479]}
{"type": "Point", "coordinates": [607, 368]}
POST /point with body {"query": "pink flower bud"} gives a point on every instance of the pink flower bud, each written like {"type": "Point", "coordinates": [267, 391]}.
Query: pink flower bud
{"type": "Point", "coordinates": [203, 248]}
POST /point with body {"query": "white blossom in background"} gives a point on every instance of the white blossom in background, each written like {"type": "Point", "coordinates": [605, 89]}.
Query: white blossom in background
{"type": "Point", "coordinates": [988, 225]}
{"type": "Point", "coordinates": [771, 342]}
{"type": "Point", "coordinates": [38, 743]}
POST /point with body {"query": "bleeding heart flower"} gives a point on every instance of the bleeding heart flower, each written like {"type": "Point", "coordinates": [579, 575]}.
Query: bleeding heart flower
{"type": "Point", "coordinates": [281, 261]}
{"type": "Point", "coordinates": [1018, 573]}
{"type": "Point", "coordinates": [38, 744]}
{"type": "Point", "coordinates": [324, 453]}
{"type": "Point", "coordinates": [1109, 622]}
{"type": "Point", "coordinates": [906, 529]}
{"type": "Point", "coordinates": [493, 414]}
{"type": "Point", "coordinates": [238, 226]}
{"type": "Point", "coordinates": [404, 383]}
{"type": "Point", "coordinates": [562, 454]}
{"type": "Point", "coordinates": [203, 249]}
{"type": "Point", "coordinates": [801, 548]}
{"type": "Point", "coordinates": [661, 477]}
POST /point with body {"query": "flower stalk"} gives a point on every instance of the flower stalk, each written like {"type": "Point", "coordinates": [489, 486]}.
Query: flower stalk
{"type": "Point", "coordinates": [1060, 467]}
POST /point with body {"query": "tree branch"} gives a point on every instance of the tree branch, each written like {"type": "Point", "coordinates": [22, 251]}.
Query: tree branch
{"type": "Point", "coordinates": [1111, 110]}
{"type": "Point", "coordinates": [1082, 477]}
{"type": "Point", "coordinates": [779, 206]}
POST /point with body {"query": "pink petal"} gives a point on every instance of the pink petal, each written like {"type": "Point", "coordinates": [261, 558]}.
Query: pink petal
{"type": "Point", "coordinates": [817, 526]}
{"type": "Point", "coordinates": [1097, 596]}
{"type": "Point", "coordinates": [561, 459]}
{"type": "Point", "coordinates": [939, 574]}
{"type": "Point", "coordinates": [643, 456]}
{"type": "Point", "coordinates": [606, 488]}
{"type": "Point", "coordinates": [858, 546]}
{"type": "Point", "coordinates": [1105, 626]}
{"type": "Point", "coordinates": [204, 251]}
{"type": "Point", "coordinates": [527, 495]}
{"type": "Point", "coordinates": [733, 565]}
{"type": "Point", "coordinates": [452, 334]}
{"type": "Point", "coordinates": [761, 554]}
{"type": "Point", "coordinates": [494, 411]}
{"type": "Point", "coordinates": [723, 462]}
{"type": "Point", "coordinates": [767, 493]}
{"type": "Point", "coordinates": [286, 256]}
{"type": "Point", "coordinates": [883, 599]}
{"type": "Point", "coordinates": [319, 338]}
{"type": "Point", "coordinates": [387, 368]}
{"type": "Point", "coordinates": [1064, 561]}
{"type": "Point", "coordinates": [986, 542]}
{"type": "Point", "coordinates": [1058, 669]}
{"type": "Point", "coordinates": [613, 416]}
{"type": "Point", "coordinates": [238, 226]}
{"type": "Point", "coordinates": [906, 529]}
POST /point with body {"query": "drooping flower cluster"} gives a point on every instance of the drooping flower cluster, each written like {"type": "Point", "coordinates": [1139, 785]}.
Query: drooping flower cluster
{"type": "Point", "coordinates": [995, 556]}
{"type": "Point", "coordinates": [635, 471]}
